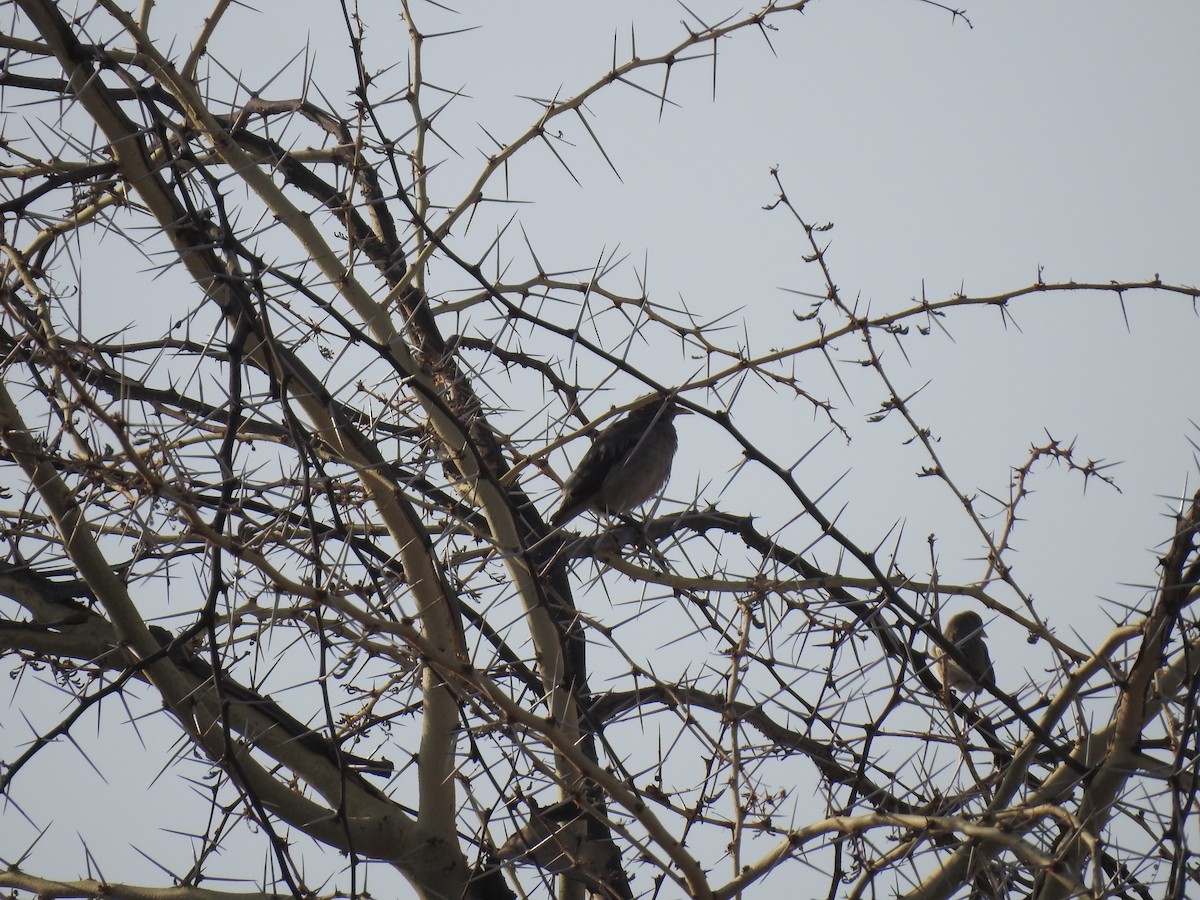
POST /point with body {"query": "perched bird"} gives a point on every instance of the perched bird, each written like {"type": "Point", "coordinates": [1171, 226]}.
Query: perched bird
{"type": "Point", "coordinates": [627, 465]}
{"type": "Point", "coordinates": [965, 631]}
{"type": "Point", "coordinates": [556, 840]}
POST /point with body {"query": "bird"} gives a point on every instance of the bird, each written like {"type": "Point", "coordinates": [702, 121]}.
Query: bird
{"type": "Point", "coordinates": [965, 631]}
{"type": "Point", "coordinates": [556, 839]}
{"type": "Point", "coordinates": [628, 464]}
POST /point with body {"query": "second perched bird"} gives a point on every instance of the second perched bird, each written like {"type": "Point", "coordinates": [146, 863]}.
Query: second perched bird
{"type": "Point", "coordinates": [626, 466]}
{"type": "Point", "coordinates": [556, 839]}
{"type": "Point", "coordinates": [965, 631]}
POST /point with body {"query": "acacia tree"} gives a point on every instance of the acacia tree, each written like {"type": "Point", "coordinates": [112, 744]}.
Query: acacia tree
{"type": "Point", "coordinates": [303, 533]}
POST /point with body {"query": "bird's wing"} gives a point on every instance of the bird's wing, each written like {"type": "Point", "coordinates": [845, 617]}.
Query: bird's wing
{"type": "Point", "coordinates": [988, 676]}
{"type": "Point", "coordinates": [609, 450]}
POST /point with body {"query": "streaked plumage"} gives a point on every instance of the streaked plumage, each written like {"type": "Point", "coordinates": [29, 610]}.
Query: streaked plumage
{"type": "Point", "coordinates": [627, 465]}
{"type": "Point", "coordinates": [965, 630]}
